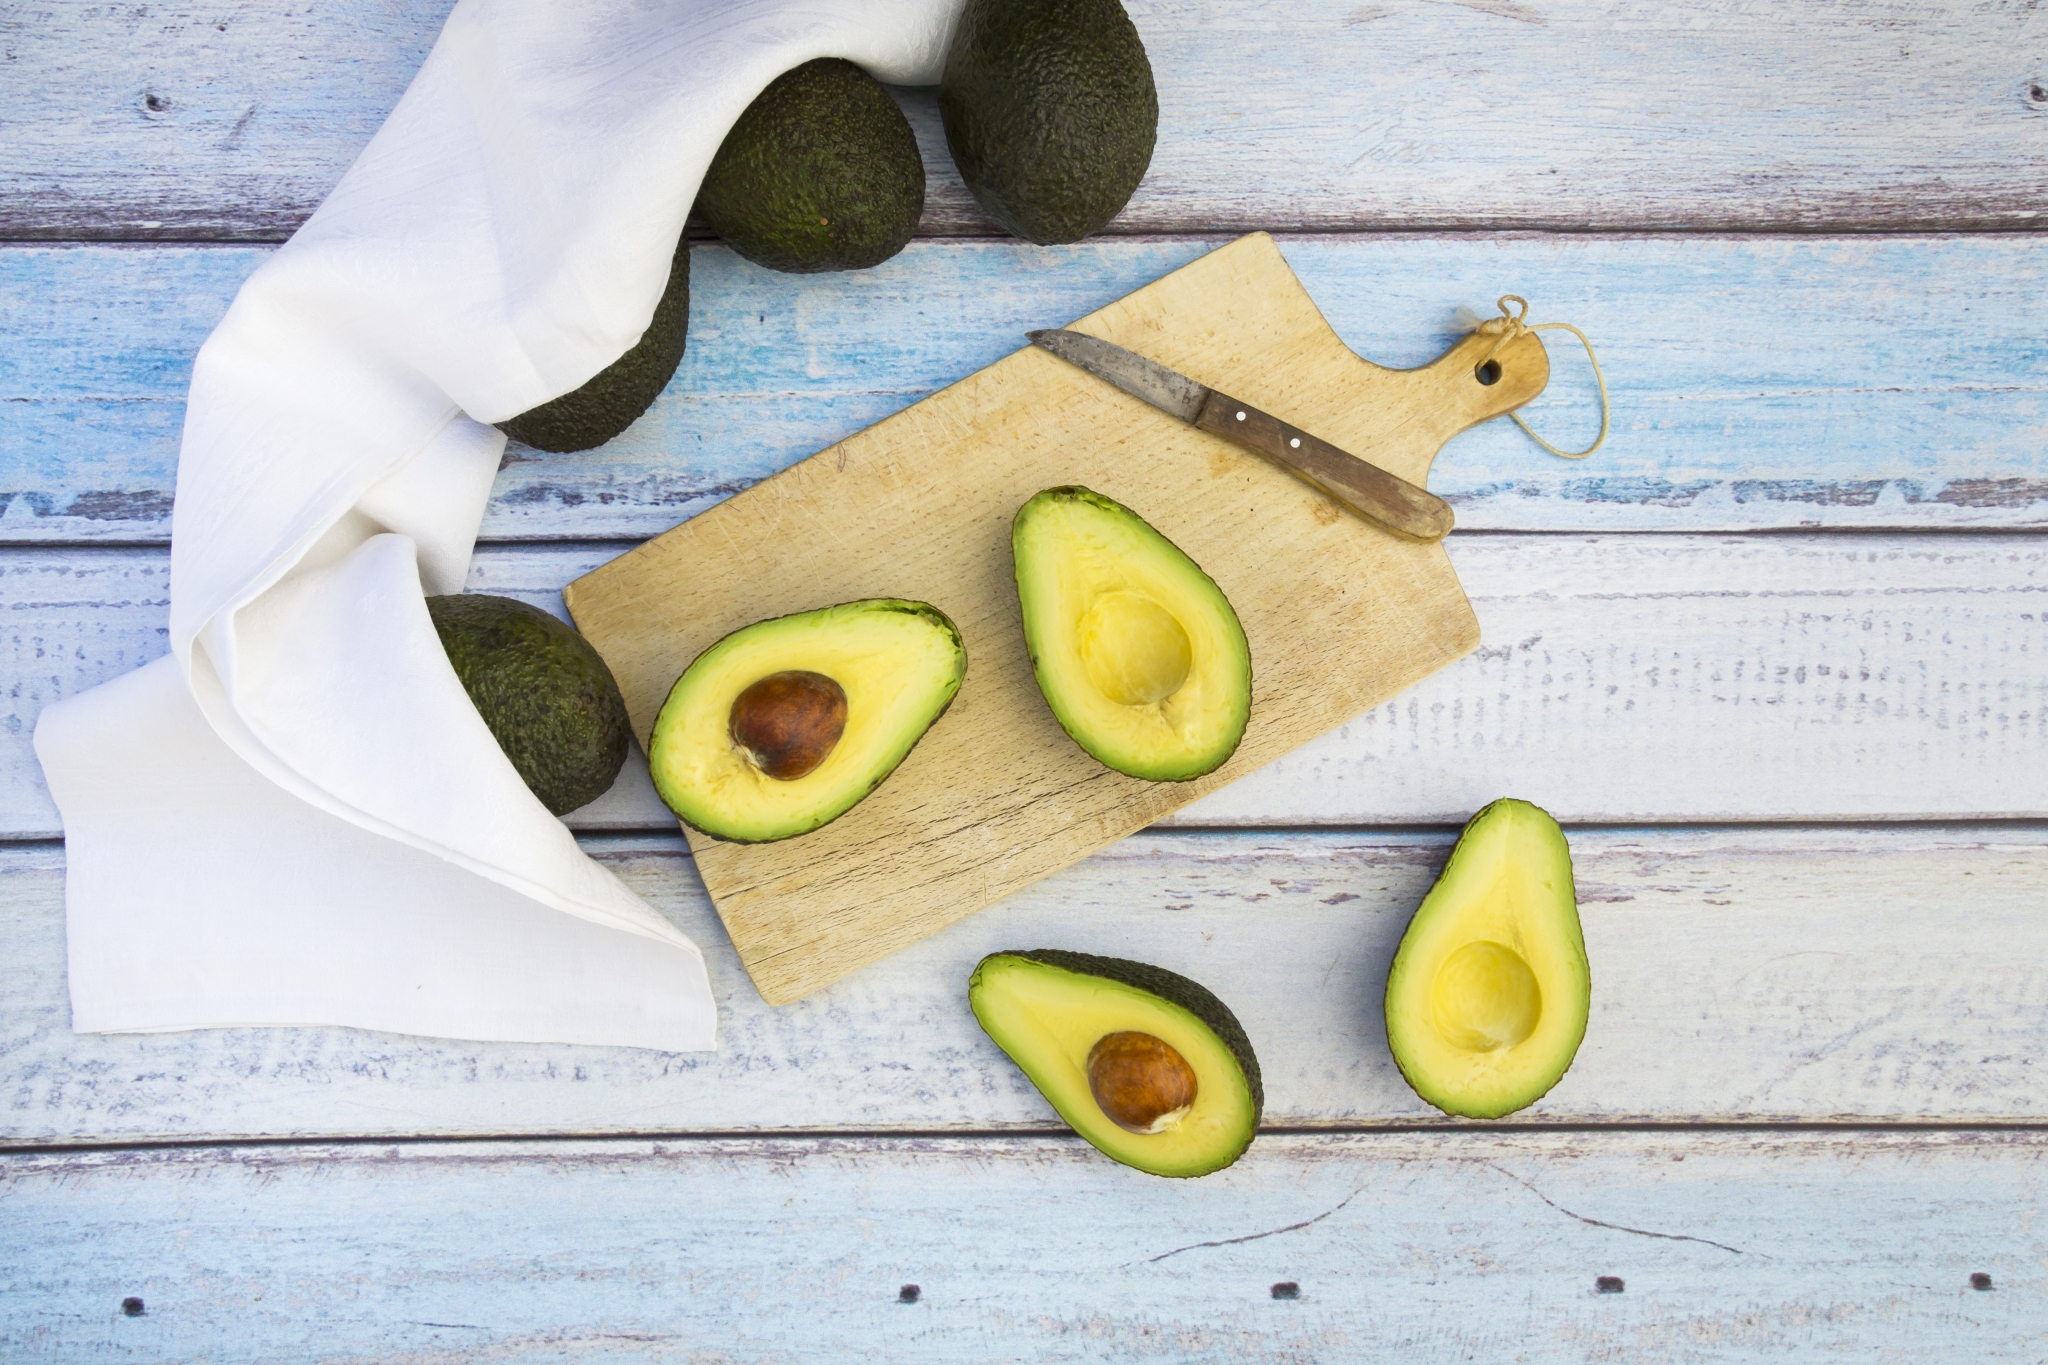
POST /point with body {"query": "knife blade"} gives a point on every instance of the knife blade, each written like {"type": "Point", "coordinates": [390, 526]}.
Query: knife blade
{"type": "Point", "coordinates": [1365, 489]}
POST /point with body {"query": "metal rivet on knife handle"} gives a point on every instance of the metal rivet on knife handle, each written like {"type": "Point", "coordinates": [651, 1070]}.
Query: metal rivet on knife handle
{"type": "Point", "coordinates": [1365, 489]}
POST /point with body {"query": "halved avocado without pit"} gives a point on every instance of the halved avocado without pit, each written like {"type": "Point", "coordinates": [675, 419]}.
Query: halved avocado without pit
{"type": "Point", "coordinates": [1489, 993]}
{"type": "Point", "coordinates": [1136, 650]}
{"type": "Point", "coordinates": [785, 725]}
{"type": "Point", "coordinates": [1148, 1066]}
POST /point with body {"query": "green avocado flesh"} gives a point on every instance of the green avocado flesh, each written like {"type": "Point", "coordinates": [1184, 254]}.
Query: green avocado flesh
{"type": "Point", "coordinates": [1050, 113]}
{"type": "Point", "coordinates": [1136, 650]}
{"type": "Point", "coordinates": [613, 398]}
{"type": "Point", "coordinates": [1049, 1010]}
{"type": "Point", "coordinates": [897, 666]}
{"type": "Point", "coordinates": [1489, 991]}
{"type": "Point", "coordinates": [820, 173]}
{"type": "Point", "coordinates": [546, 695]}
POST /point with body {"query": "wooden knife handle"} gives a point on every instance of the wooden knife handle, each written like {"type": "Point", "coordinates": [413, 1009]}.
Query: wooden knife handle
{"type": "Point", "coordinates": [1371, 492]}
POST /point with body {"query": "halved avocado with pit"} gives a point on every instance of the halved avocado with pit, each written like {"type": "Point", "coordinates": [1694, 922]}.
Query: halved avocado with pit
{"type": "Point", "coordinates": [1489, 993]}
{"type": "Point", "coordinates": [1136, 650]}
{"type": "Point", "coordinates": [785, 725]}
{"type": "Point", "coordinates": [1148, 1066]}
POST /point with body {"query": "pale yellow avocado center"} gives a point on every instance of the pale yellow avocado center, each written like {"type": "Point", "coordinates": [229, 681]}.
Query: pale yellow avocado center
{"type": "Point", "coordinates": [1135, 651]}
{"type": "Point", "coordinates": [724, 751]}
{"type": "Point", "coordinates": [1489, 993]}
{"type": "Point", "coordinates": [1139, 655]}
{"type": "Point", "coordinates": [1485, 998]}
{"type": "Point", "coordinates": [1146, 1065]}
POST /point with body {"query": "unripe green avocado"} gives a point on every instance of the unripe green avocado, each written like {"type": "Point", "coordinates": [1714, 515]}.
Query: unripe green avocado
{"type": "Point", "coordinates": [820, 173]}
{"type": "Point", "coordinates": [613, 398]}
{"type": "Point", "coordinates": [547, 696]}
{"type": "Point", "coordinates": [1050, 112]}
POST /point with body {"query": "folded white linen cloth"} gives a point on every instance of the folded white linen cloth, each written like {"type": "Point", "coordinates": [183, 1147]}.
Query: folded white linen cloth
{"type": "Point", "coordinates": [298, 817]}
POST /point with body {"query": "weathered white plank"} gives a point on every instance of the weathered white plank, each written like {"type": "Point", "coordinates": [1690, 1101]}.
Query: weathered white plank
{"type": "Point", "coordinates": [1739, 975]}
{"type": "Point", "coordinates": [1757, 382]}
{"type": "Point", "coordinates": [1671, 678]}
{"type": "Point", "coordinates": [1725, 1247]}
{"type": "Point", "coordinates": [1622, 678]}
{"type": "Point", "coordinates": [234, 121]}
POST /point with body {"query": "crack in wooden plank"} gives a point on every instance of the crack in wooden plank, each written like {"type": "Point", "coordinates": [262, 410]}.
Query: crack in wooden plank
{"type": "Point", "coordinates": [1270, 1232]}
{"type": "Point", "coordinates": [1617, 1227]}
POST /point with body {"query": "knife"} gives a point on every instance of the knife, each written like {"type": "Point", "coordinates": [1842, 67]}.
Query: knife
{"type": "Point", "coordinates": [1382, 498]}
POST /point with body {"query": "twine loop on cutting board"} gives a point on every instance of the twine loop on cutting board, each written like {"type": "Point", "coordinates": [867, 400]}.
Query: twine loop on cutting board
{"type": "Point", "coordinates": [1506, 328]}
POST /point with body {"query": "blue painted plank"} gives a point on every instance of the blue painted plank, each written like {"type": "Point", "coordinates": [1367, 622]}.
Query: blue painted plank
{"type": "Point", "coordinates": [1757, 382]}
{"type": "Point", "coordinates": [1723, 1247]}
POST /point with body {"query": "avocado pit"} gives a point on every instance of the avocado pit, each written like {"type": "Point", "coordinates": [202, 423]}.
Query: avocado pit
{"type": "Point", "coordinates": [788, 723]}
{"type": "Point", "coordinates": [1140, 1081]}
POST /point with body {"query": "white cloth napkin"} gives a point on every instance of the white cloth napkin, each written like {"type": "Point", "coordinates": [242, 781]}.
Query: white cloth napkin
{"type": "Point", "coordinates": [298, 817]}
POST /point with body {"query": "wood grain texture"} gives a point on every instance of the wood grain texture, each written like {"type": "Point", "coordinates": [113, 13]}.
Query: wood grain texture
{"type": "Point", "coordinates": [1621, 680]}
{"type": "Point", "coordinates": [1629, 678]}
{"type": "Point", "coordinates": [1730, 1247]}
{"type": "Point", "coordinates": [1758, 382]}
{"type": "Point", "coordinates": [234, 121]}
{"type": "Point", "coordinates": [1874, 975]}
{"type": "Point", "coordinates": [1340, 615]}
{"type": "Point", "coordinates": [1739, 975]}
{"type": "Point", "coordinates": [228, 122]}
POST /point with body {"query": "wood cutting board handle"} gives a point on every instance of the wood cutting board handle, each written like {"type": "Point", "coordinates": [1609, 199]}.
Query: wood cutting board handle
{"type": "Point", "coordinates": [1366, 489]}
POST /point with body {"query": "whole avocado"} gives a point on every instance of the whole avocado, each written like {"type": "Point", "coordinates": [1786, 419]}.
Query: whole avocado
{"type": "Point", "coordinates": [1050, 112]}
{"type": "Point", "coordinates": [546, 695]}
{"type": "Point", "coordinates": [820, 173]}
{"type": "Point", "coordinates": [613, 398]}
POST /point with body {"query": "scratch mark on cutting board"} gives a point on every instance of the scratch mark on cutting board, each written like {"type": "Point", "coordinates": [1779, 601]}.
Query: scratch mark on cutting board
{"type": "Point", "coordinates": [1270, 1232]}
{"type": "Point", "coordinates": [1615, 1227]}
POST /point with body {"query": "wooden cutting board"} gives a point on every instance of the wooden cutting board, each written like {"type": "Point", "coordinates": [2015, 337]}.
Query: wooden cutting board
{"type": "Point", "coordinates": [1340, 615]}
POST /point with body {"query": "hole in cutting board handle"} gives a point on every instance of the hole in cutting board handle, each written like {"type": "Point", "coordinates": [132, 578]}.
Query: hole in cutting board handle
{"type": "Point", "coordinates": [1487, 372]}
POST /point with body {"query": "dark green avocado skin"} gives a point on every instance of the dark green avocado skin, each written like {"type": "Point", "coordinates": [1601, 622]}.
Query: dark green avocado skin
{"type": "Point", "coordinates": [1171, 987]}
{"type": "Point", "coordinates": [1050, 113]}
{"type": "Point", "coordinates": [820, 173]}
{"type": "Point", "coordinates": [547, 696]}
{"type": "Point", "coordinates": [613, 398]}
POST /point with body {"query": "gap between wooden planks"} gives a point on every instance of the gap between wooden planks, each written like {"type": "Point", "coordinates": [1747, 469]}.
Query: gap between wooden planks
{"type": "Point", "coordinates": [1740, 975]}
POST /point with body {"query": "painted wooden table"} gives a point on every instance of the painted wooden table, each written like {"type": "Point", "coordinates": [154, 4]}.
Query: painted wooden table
{"type": "Point", "coordinates": [1778, 656]}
